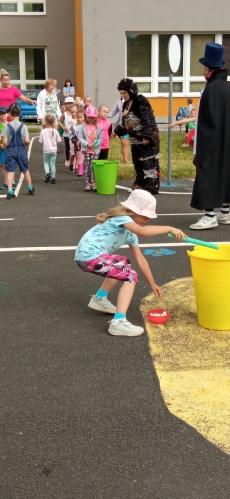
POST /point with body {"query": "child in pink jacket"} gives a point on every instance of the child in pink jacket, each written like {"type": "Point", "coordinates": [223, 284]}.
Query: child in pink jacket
{"type": "Point", "coordinates": [106, 126]}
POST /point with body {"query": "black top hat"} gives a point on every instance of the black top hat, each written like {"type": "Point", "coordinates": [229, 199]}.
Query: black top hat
{"type": "Point", "coordinates": [213, 56]}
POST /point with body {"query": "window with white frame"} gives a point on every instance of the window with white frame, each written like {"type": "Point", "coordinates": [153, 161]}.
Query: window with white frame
{"type": "Point", "coordinates": [26, 66]}
{"type": "Point", "coordinates": [22, 7]}
{"type": "Point", "coordinates": [147, 62]}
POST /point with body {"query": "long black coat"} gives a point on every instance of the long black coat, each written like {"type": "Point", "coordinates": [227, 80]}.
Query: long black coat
{"type": "Point", "coordinates": [212, 183]}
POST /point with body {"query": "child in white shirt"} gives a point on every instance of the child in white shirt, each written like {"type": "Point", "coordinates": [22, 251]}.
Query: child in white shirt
{"type": "Point", "coordinates": [49, 137]}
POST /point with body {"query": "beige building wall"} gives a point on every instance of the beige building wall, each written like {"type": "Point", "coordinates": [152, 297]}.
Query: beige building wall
{"type": "Point", "coordinates": [54, 31]}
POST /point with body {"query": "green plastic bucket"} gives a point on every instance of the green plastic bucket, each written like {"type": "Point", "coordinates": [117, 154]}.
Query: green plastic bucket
{"type": "Point", "coordinates": [105, 173]}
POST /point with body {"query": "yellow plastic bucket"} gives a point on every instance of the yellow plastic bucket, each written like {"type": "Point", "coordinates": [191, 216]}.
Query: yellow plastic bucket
{"type": "Point", "coordinates": [211, 277]}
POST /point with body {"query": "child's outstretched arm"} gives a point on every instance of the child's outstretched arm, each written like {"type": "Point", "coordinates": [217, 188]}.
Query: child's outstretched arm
{"type": "Point", "coordinates": [184, 121]}
{"type": "Point", "coordinates": [154, 230]}
{"type": "Point", "coordinates": [146, 271]}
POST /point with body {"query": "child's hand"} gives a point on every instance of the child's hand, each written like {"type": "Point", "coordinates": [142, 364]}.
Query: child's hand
{"type": "Point", "coordinates": [179, 235]}
{"type": "Point", "coordinates": [158, 292]}
{"type": "Point", "coordinates": [95, 144]}
{"type": "Point", "coordinates": [145, 142]}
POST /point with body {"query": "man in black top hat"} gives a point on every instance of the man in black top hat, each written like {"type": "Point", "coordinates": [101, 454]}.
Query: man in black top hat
{"type": "Point", "coordinates": [212, 183]}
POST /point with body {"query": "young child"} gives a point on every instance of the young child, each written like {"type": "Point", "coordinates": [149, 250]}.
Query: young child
{"type": "Point", "coordinates": [74, 136]}
{"type": "Point", "coordinates": [107, 129]}
{"type": "Point", "coordinates": [87, 101]}
{"type": "Point", "coordinates": [188, 110]}
{"type": "Point", "coordinates": [72, 123]}
{"type": "Point", "coordinates": [95, 253]}
{"type": "Point", "coordinates": [3, 122]}
{"type": "Point", "coordinates": [49, 137]}
{"type": "Point", "coordinates": [189, 107]}
{"type": "Point", "coordinates": [15, 139]}
{"type": "Point", "coordinates": [78, 100]}
{"type": "Point", "coordinates": [90, 137]}
{"type": "Point", "coordinates": [66, 117]}
{"type": "Point", "coordinates": [191, 130]}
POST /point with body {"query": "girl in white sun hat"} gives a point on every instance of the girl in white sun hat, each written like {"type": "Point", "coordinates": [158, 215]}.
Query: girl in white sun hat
{"type": "Point", "coordinates": [96, 253]}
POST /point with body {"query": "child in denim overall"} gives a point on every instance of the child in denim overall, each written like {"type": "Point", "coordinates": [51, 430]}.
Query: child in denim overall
{"type": "Point", "coordinates": [15, 138]}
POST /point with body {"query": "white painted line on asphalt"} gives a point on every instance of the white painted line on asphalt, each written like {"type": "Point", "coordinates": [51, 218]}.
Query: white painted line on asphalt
{"type": "Point", "coordinates": [38, 248]}
{"type": "Point", "coordinates": [159, 215]}
{"type": "Point", "coordinates": [4, 219]}
{"type": "Point", "coordinates": [72, 248]}
{"type": "Point", "coordinates": [124, 188]}
{"type": "Point", "coordinates": [180, 193]}
{"type": "Point", "coordinates": [84, 216]}
{"type": "Point", "coordinates": [16, 192]}
{"type": "Point", "coordinates": [179, 214]}
{"type": "Point", "coordinates": [128, 189]}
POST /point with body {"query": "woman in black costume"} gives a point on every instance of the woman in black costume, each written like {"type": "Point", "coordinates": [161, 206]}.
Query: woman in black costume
{"type": "Point", "coordinates": [139, 123]}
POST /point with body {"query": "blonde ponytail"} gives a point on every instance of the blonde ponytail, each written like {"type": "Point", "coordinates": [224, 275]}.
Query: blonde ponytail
{"type": "Point", "coordinates": [117, 211]}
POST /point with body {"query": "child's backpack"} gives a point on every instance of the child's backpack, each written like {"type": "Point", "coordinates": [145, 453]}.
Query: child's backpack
{"type": "Point", "coordinates": [181, 113]}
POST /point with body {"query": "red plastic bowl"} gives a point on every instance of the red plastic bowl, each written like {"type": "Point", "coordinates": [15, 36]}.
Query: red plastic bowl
{"type": "Point", "coordinates": [158, 315]}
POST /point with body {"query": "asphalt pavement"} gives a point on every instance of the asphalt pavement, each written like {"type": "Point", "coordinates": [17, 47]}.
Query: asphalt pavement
{"type": "Point", "coordinates": [82, 415]}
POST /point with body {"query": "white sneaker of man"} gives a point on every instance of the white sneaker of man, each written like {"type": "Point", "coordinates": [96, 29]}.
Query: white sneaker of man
{"type": "Point", "coordinates": [223, 218]}
{"type": "Point", "coordinates": [205, 223]}
{"type": "Point", "coordinates": [123, 327]}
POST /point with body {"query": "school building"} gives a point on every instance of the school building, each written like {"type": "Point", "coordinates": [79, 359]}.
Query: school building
{"type": "Point", "coordinates": [130, 38]}
{"type": "Point", "coordinates": [37, 40]}
{"type": "Point", "coordinates": [95, 43]}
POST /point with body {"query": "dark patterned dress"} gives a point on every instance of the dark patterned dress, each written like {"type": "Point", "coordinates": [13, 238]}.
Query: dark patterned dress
{"type": "Point", "coordinates": [139, 122]}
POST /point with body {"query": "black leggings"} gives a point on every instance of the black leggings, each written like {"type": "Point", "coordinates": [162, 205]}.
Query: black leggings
{"type": "Point", "coordinates": [66, 141]}
{"type": "Point", "coordinates": [146, 164]}
{"type": "Point", "coordinates": [103, 154]}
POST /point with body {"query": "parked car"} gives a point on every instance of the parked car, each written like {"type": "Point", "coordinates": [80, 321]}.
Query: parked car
{"type": "Point", "coordinates": [29, 111]}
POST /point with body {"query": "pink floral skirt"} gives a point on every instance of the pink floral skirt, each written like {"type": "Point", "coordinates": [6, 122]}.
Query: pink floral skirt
{"type": "Point", "coordinates": [112, 266]}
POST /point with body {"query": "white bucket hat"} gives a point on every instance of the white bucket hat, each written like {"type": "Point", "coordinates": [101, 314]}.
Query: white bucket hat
{"type": "Point", "coordinates": [69, 99]}
{"type": "Point", "coordinates": [142, 203]}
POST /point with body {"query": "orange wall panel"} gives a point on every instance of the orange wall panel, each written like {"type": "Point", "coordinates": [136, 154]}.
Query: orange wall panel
{"type": "Point", "coordinates": [160, 105]}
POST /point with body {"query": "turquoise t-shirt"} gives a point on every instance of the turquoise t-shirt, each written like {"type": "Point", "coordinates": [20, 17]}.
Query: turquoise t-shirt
{"type": "Point", "coordinates": [105, 238]}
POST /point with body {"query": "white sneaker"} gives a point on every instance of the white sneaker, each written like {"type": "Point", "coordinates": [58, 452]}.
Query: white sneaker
{"type": "Point", "coordinates": [88, 187]}
{"type": "Point", "coordinates": [67, 163]}
{"type": "Point", "coordinates": [223, 219]}
{"type": "Point", "coordinates": [205, 223]}
{"type": "Point", "coordinates": [185, 145]}
{"type": "Point", "coordinates": [123, 327]}
{"type": "Point", "coordinates": [102, 304]}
